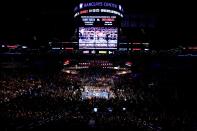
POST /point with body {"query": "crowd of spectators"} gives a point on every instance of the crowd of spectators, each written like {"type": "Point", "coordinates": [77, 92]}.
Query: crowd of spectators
{"type": "Point", "coordinates": [35, 100]}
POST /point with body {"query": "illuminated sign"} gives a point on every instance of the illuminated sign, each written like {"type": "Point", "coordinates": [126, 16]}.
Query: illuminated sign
{"type": "Point", "coordinates": [93, 51]}
{"type": "Point", "coordinates": [85, 19]}
{"type": "Point", "coordinates": [95, 17]}
{"type": "Point", "coordinates": [12, 46]}
{"type": "Point", "coordinates": [110, 52]}
{"type": "Point", "coordinates": [145, 43]}
{"type": "Point", "coordinates": [102, 52]}
{"type": "Point", "coordinates": [56, 48]}
{"type": "Point", "coordinates": [102, 7]}
{"type": "Point", "coordinates": [108, 19]}
{"type": "Point", "coordinates": [123, 43]}
{"type": "Point", "coordinates": [86, 52]}
{"type": "Point", "coordinates": [88, 23]}
{"type": "Point", "coordinates": [137, 43]}
{"type": "Point", "coordinates": [108, 23]}
{"type": "Point", "coordinates": [97, 11]}
{"type": "Point", "coordinates": [69, 48]}
{"type": "Point", "coordinates": [83, 12]}
{"type": "Point", "coordinates": [137, 49]}
{"type": "Point", "coordinates": [94, 10]}
{"type": "Point", "coordinates": [122, 49]}
{"type": "Point", "coordinates": [101, 4]}
{"type": "Point", "coordinates": [90, 20]}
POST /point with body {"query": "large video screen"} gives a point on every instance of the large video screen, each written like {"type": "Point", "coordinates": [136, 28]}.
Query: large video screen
{"type": "Point", "coordinates": [98, 37]}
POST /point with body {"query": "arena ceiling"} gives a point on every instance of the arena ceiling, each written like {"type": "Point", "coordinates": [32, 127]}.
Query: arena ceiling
{"type": "Point", "coordinates": [23, 19]}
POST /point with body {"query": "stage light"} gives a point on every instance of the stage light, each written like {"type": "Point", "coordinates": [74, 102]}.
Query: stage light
{"type": "Point", "coordinates": [24, 47]}
{"type": "Point", "coordinates": [81, 5]}
{"type": "Point", "coordinates": [95, 109]}
{"type": "Point", "coordinates": [110, 109]}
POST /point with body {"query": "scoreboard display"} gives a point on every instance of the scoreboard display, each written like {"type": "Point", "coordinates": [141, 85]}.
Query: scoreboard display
{"type": "Point", "coordinates": [98, 37]}
{"type": "Point", "coordinates": [98, 21]}
{"type": "Point", "coordinates": [98, 24]}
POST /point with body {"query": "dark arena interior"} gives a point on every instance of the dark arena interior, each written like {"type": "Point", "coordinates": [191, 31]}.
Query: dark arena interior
{"type": "Point", "coordinates": [96, 65]}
